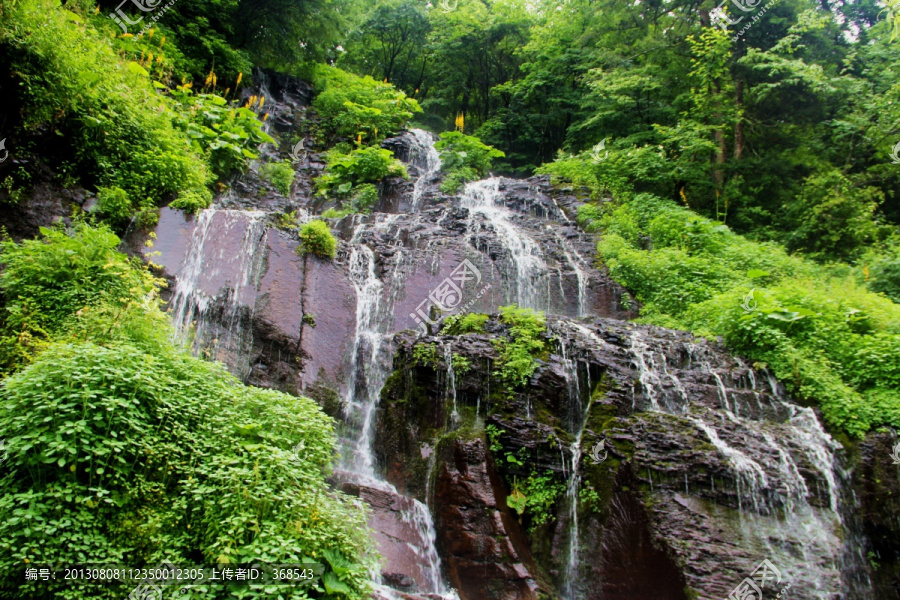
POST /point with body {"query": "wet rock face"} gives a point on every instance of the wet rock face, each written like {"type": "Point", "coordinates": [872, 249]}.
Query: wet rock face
{"type": "Point", "coordinates": [876, 481]}
{"type": "Point", "coordinates": [484, 549]}
{"type": "Point", "coordinates": [707, 468]}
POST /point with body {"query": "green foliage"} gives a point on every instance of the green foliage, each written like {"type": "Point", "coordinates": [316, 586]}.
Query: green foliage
{"type": "Point", "coordinates": [280, 175]}
{"type": "Point", "coordinates": [123, 449]}
{"type": "Point", "coordinates": [815, 327]}
{"type": "Point", "coordinates": [352, 106]}
{"type": "Point", "coordinates": [461, 364]}
{"type": "Point", "coordinates": [333, 213]}
{"type": "Point", "coordinates": [885, 275]}
{"type": "Point", "coordinates": [316, 238]}
{"type": "Point", "coordinates": [112, 126]}
{"type": "Point", "coordinates": [494, 433]}
{"type": "Point", "coordinates": [515, 363]}
{"type": "Point", "coordinates": [463, 158]}
{"type": "Point", "coordinates": [347, 174]}
{"type": "Point", "coordinates": [590, 498]}
{"type": "Point", "coordinates": [226, 135]}
{"type": "Point", "coordinates": [47, 280]}
{"type": "Point", "coordinates": [425, 355]}
{"type": "Point", "coordinates": [309, 319]}
{"type": "Point", "coordinates": [542, 492]}
{"type": "Point", "coordinates": [114, 206]}
{"type": "Point", "coordinates": [831, 219]}
{"type": "Point", "coordinates": [463, 324]}
{"type": "Point", "coordinates": [192, 201]}
{"type": "Point", "coordinates": [286, 220]}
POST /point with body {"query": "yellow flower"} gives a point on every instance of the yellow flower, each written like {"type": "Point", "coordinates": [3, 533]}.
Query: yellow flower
{"type": "Point", "coordinates": [150, 34]}
{"type": "Point", "coordinates": [684, 197]}
{"type": "Point", "coordinates": [265, 117]}
{"type": "Point", "coordinates": [240, 76]}
{"type": "Point", "coordinates": [161, 42]}
{"type": "Point", "coordinates": [97, 10]}
{"type": "Point", "coordinates": [261, 100]}
{"type": "Point", "coordinates": [866, 272]}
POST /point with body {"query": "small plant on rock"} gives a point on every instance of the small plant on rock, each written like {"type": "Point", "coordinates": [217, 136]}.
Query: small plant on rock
{"type": "Point", "coordinates": [316, 238]}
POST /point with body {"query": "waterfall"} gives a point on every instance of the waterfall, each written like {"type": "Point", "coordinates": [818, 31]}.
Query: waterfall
{"type": "Point", "coordinates": [217, 280]}
{"type": "Point", "coordinates": [423, 155]}
{"type": "Point", "coordinates": [785, 522]}
{"type": "Point", "coordinates": [370, 362]}
{"type": "Point", "coordinates": [525, 256]}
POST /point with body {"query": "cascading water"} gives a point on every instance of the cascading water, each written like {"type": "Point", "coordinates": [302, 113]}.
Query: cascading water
{"type": "Point", "coordinates": [780, 516]}
{"type": "Point", "coordinates": [369, 367]}
{"type": "Point", "coordinates": [216, 274]}
{"type": "Point", "coordinates": [423, 155]}
{"type": "Point", "coordinates": [525, 257]}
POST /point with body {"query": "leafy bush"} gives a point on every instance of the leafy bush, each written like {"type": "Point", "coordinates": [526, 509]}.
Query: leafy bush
{"type": "Point", "coordinates": [462, 324]}
{"type": "Point", "coordinates": [515, 363]}
{"type": "Point", "coordinates": [316, 238]}
{"type": "Point", "coordinates": [114, 205]}
{"type": "Point", "coordinates": [346, 174]}
{"type": "Point", "coordinates": [885, 276]}
{"type": "Point", "coordinates": [192, 201]}
{"type": "Point", "coordinates": [542, 492]}
{"type": "Point", "coordinates": [463, 158]}
{"type": "Point", "coordinates": [114, 128]}
{"type": "Point", "coordinates": [123, 449]}
{"type": "Point", "coordinates": [227, 136]}
{"type": "Point", "coordinates": [831, 218]}
{"type": "Point", "coordinates": [818, 330]}
{"type": "Point", "coordinates": [46, 281]}
{"type": "Point", "coordinates": [280, 175]}
{"type": "Point", "coordinates": [352, 106]}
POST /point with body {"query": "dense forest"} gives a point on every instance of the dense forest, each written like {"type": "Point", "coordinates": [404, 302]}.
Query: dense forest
{"type": "Point", "coordinates": [733, 170]}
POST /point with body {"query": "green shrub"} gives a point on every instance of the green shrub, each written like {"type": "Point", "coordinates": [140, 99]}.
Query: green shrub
{"type": "Point", "coordinates": [228, 136]}
{"type": "Point", "coordinates": [316, 238]}
{"type": "Point", "coordinates": [333, 213]}
{"type": "Point", "coordinates": [463, 158]}
{"type": "Point", "coordinates": [515, 363]}
{"type": "Point", "coordinates": [111, 120]}
{"type": "Point", "coordinates": [346, 174]}
{"type": "Point", "coordinates": [352, 106]}
{"type": "Point", "coordinates": [542, 492]}
{"type": "Point", "coordinates": [114, 206]}
{"type": "Point", "coordinates": [280, 175]}
{"type": "Point", "coordinates": [462, 324]}
{"type": "Point", "coordinates": [286, 220]}
{"type": "Point", "coordinates": [885, 276]}
{"type": "Point", "coordinates": [192, 201]}
{"type": "Point", "coordinates": [123, 449]}
{"type": "Point", "coordinates": [46, 281]}
{"type": "Point", "coordinates": [365, 195]}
